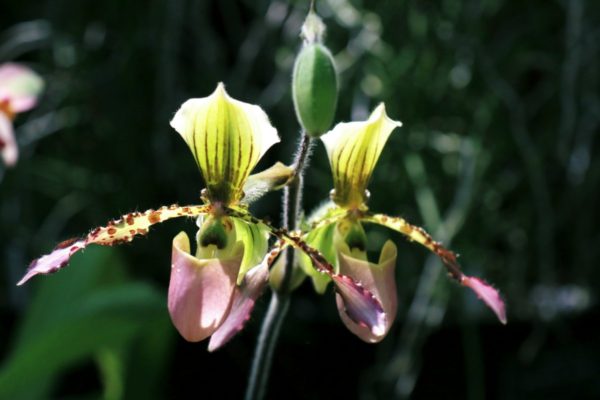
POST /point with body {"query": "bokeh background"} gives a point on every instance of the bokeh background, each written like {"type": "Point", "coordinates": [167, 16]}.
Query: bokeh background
{"type": "Point", "coordinates": [498, 157]}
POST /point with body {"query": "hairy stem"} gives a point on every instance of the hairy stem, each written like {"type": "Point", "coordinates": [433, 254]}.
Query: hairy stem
{"type": "Point", "coordinates": [280, 299]}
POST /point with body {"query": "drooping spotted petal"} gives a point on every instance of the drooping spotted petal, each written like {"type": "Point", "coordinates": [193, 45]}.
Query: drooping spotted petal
{"type": "Point", "coordinates": [19, 86]}
{"type": "Point", "coordinates": [380, 280]}
{"type": "Point", "coordinates": [488, 295]}
{"type": "Point", "coordinates": [227, 138]}
{"type": "Point", "coordinates": [244, 299]}
{"type": "Point", "coordinates": [360, 304]}
{"type": "Point", "coordinates": [8, 144]}
{"type": "Point", "coordinates": [200, 290]}
{"type": "Point", "coordinates": [353, 149]}
{"type": "Point", "coordinates": [115, 232]}
{"type": "Point", "coordinates": [417, 234]}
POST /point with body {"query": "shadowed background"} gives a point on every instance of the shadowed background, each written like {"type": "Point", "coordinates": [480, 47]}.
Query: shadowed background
{"type": "Point", "coordinates": [500, 102]}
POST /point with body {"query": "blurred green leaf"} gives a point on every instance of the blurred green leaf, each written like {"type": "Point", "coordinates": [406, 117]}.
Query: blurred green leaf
{"type": "Point", "coordinates": [76, 314]}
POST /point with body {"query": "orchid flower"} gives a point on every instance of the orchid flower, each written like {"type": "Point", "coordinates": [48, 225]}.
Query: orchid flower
{"type": "Point", "coordinates": [353, 149]}
{"type": "Point", "coordinates": [19, 89]}
{"type": "Point", "coordinates": [213, 290]}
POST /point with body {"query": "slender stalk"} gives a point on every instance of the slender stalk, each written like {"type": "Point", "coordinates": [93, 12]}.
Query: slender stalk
{"type": "Point", "coordinates": [280, 299]}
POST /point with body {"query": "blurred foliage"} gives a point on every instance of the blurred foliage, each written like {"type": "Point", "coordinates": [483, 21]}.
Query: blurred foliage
{"type": "Point", "coordinates": [500, 102]}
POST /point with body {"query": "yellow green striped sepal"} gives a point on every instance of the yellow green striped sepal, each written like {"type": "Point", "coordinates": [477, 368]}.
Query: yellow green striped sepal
{"type": "Point", "coordinates": [227, 138]}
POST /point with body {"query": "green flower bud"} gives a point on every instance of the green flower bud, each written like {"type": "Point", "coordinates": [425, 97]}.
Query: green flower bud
{"type": "Point", "coordinates": [314, 89]}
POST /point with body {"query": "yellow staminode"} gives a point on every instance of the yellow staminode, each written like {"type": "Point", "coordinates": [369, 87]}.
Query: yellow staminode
{"type": "Point", "coordinates": [353, 149]}
{"type": "Point", "coordinates": [227, 138]}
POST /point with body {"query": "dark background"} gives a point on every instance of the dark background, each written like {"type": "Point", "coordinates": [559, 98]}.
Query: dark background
{"type": "Point", "coordinates": [497, 157]}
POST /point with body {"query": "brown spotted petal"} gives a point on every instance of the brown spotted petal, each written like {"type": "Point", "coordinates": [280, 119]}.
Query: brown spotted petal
{"type": "Point", "coordinates": [380, 280]}
{"type": "Point", "coordinates": [244, 299]}
{"type": "Point", "coordinates": [488, 295]}
{"type": "Point", "coordinates": [122, 230]}
{"type": "Point", "coordinates": [200, 290]}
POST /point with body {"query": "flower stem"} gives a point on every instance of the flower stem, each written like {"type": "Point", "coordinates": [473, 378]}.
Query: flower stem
{"type": "Point", "coordinates": [280, 299]}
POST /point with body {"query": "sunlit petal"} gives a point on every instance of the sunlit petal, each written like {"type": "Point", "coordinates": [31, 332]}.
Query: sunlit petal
{"type": "Point", "coordinates": [20, 86]}
{"type": "Point", "coordinates": [200, 290]}
{"type": "Point", "coordinates": [380, 280]}
{"type": "Point", "coordinates": [227, 138]}
{"type": "Point", "coordinates": [255, 238]}
{"type": "Point", "coordinates": [115, 232]}
{"type": "Point", "coordinates": [353, 149]}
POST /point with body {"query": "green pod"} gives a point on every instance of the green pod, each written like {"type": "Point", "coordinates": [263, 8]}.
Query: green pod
{"type": "Point", "coordinates": [314, 89]}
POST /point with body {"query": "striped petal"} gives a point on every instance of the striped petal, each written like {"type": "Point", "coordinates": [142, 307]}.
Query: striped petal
{"type": "Point", "coordinates": [227, 138]}
{"type": "Point", "coordinates": [380, 280]}
{"type": "Point", "coordinates": [20, 86]}
{"type": "Point", "coordinates": [200, 290]}
{"type": "Point", "coordinates": [255, 238]}
{"type": "Point", "coordinates": [353, 149]}
{"type": "Point", "coordinates": [115, 232]}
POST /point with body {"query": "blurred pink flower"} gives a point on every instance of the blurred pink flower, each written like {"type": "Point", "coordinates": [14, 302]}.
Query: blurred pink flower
{"type": "Point", "coordinates": [19, 90]}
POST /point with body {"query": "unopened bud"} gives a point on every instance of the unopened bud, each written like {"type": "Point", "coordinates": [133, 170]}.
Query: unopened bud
{"type": "Point", "coordinates": [314, 88]}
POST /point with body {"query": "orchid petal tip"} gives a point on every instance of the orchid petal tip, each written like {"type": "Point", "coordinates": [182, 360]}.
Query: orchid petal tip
{"type": "Point", "coordinates": [489, 295]}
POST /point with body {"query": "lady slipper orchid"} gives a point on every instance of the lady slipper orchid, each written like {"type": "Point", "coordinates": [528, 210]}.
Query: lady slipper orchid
{"type": "Point", "coordinates": [19, 89]}
{"type": "Point", "coordinates": [353, 149]}
{"type": "Point", "coordinates": [227, 138]}
{"type": "Point", "coordinates": [213, 290]}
